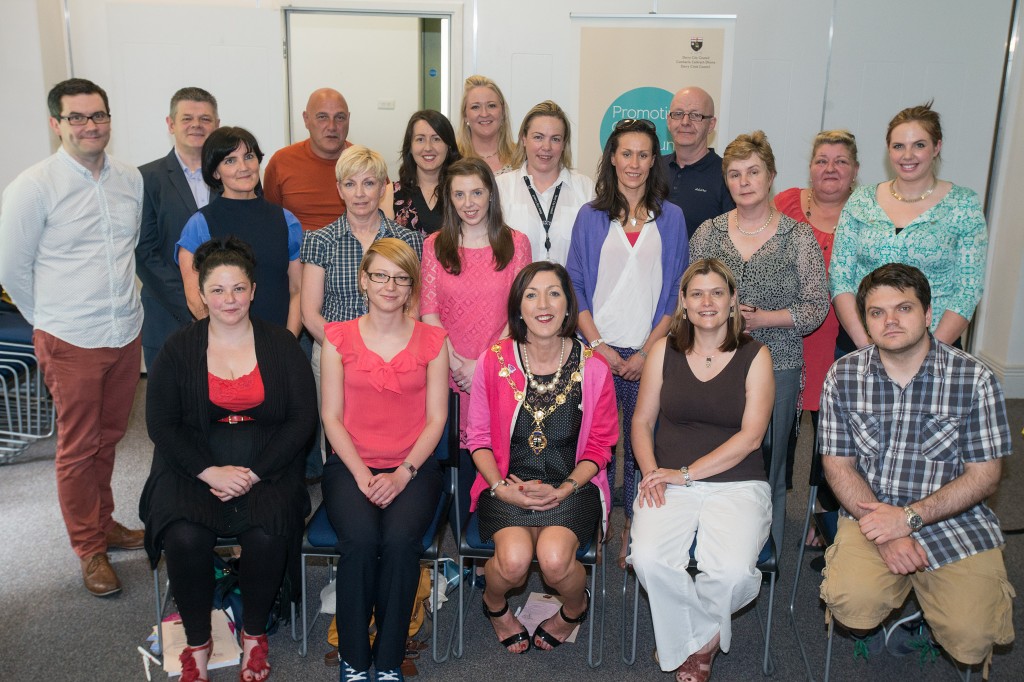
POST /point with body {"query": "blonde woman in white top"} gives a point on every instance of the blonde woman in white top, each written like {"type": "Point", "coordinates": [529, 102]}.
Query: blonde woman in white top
{"type": "Point", "coordinates": [543, 195]}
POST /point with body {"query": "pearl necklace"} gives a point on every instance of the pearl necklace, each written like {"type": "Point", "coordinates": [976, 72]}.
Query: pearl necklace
{"type": "Point", "coordinates": [899, 197]}
{"type": "Point", "coordinates": [771, 214]}
{"type": "Point", "coordinates": [536, 385]}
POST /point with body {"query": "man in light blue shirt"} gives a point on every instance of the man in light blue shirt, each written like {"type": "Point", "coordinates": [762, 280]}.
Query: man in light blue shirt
{"type": "Point", "coordinates": [69, 226]}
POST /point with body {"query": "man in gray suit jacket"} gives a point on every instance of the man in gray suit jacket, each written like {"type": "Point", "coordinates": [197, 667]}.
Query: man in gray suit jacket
{"type": "Point", "coordinates": [174, 190]}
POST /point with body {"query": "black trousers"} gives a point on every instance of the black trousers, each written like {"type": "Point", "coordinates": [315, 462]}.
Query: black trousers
{"type": "Point", "coordinates": [189, 550]}
{"type": "Point", "coordinates": [378, 570]}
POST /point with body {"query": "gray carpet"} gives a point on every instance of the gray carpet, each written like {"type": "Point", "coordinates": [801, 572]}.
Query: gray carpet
{"type": "Point", "coordinates": [52, 629]}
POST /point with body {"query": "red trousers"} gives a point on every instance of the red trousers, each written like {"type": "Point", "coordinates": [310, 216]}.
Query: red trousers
{"type": "Point", "coordinates": [93, 390]}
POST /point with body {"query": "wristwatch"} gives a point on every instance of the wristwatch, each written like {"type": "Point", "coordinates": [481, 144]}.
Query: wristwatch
{"type": "Point", "coordinates": [412, 470]}
{"type": "Point", "coordinates": [595, 343]}
{"type": "Point", "coordinates": [914, 520]}
{"type": "Point", "coordinates": [575, 486]}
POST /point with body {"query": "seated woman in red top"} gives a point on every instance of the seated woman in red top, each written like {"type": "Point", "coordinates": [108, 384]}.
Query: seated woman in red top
{"type": "Point", "coordinates": [384, 378]}
{"type": "Point", "coordinates": [231, 408]}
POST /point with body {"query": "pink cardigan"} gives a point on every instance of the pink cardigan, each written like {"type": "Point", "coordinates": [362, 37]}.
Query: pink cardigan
{"type": "Point", "coordinates": [493, 410]}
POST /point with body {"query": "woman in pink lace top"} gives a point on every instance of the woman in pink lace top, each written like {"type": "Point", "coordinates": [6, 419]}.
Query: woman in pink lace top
{"type": "Point", "coordinates": [468, 268]}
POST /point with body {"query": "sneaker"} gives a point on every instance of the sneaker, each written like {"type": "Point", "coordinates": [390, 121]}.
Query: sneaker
{"type": "Point", "coordinates": [393, 675]}
{"type": "Point", "coordinates": [350, 674]}
{"type": "Point", "coordinates": [911, 636]}
{"type": "Point", "coordinates": [869, 645]}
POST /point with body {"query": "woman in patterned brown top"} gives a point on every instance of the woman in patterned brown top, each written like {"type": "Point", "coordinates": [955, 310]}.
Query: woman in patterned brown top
{"type": "Point", "coordinates": [781, 276]}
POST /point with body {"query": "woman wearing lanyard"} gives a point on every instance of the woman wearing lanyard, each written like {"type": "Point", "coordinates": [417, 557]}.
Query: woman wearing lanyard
{"type": "Point", "coordinates": [543, 195]}
{"type": "Point", "coordinates": [628, 252]}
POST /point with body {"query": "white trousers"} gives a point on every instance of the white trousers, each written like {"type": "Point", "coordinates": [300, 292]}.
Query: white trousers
{"type": "Point", "coordinates": [731, 522]}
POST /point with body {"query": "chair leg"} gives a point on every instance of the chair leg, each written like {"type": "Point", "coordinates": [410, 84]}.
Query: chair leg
{"type": "Point", "coordinates": [437, 617]}
{"type": "Point", "coordinates": [828, 647]}
{"type": "Point", "coordinates": [812, 495]}
{"type": "Point", "coordinates": [303, 648]}
{"type": "Point", "coordinates": [159, 613]}
{"type": "Point", "coordinates": [457, 649]}
{"type": "Point", "coordinates": [629, 655]}
{"type": "Point", "coordinates": [768, 666]}
{"type": "Point", "coordinates": [599, 606]}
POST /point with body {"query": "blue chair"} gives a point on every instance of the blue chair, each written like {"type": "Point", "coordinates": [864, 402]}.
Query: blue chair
{"type": "Point", "coordinates": [767, 563]}
{"type": "Point", "coordinates": [592, 556]}
{"type": "Point", "coordinates": [161, 600]}
{"type": "Point", "coordinates": [321, 540]}
{"type": "Point", "coordinates": [27, 413]}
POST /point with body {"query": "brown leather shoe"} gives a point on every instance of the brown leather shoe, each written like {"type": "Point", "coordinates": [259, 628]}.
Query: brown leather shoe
{"type": "Point", "coordinates": [98, 575]}
{"type": "Point", "coordinates": [331, 658]}
{"type": "Point", "coordinates": [120, 537]}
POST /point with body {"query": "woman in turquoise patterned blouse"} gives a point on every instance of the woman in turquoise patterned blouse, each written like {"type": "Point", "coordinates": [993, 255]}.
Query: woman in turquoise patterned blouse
{"type": "Point", "coordinates": [916, 219]}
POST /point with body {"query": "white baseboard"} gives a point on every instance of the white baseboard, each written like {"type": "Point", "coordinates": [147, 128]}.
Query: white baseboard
{"type": "Point", "coordinates": [1011, 376]}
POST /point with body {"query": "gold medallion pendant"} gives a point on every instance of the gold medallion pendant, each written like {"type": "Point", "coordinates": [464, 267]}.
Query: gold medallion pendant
{"type": "Point", "coordinates": [538, 441]}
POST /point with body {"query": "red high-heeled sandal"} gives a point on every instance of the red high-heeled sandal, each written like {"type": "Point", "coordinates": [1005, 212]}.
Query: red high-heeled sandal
{"type": "Point", "coordinates": [257, 668]}
{"type": "Point", "coordinates": [189, 667]}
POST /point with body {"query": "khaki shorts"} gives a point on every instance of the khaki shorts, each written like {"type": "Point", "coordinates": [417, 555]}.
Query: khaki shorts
{"type": "Point", "coordinates": [967, 603]}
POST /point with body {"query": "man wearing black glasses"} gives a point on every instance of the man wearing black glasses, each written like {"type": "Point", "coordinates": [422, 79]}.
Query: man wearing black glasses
{"type": "Point", "coordinates": [68, 226]}
{"type": "Point", "coordinates": [693, 171]}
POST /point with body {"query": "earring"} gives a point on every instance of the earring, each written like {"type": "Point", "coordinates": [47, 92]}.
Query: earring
{"type": "Point", "coordinates": [366, 300]}
{"type": "Point", "coordinates": [732, 314]}
{"type": "Point", "coordinates": [684, 314]}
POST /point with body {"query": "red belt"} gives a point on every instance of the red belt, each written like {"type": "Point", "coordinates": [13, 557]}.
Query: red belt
{"type": "Point", "coordinates": [236, 419]}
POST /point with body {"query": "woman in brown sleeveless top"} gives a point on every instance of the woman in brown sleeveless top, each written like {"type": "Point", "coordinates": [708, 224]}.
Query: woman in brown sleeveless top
{"type": "Point", "coordinates": [709, 388]}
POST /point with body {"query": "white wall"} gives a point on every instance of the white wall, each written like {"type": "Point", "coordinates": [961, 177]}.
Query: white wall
{"type": "Point", "coordinates": [999, 323]}
{"type": "Point", "coordinates": [22, 80]}
{"type": "Point", "coordinates": [886, 55]}
{"type": "Point", "coordinates": [331, 50]}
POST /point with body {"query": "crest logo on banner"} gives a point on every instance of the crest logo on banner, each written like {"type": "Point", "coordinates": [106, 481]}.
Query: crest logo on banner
{"type": "Point", "coordinates": [646, 102]}
{"type": "Point", "coordinates": [696, 43]}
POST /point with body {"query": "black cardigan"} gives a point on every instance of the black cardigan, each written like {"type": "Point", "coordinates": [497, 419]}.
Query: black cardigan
{"type": "Point", "coordinates": [178, 416]}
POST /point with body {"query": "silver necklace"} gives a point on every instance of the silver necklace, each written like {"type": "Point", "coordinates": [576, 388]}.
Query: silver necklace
{"type": "Point", "coordinates": [771, 214]}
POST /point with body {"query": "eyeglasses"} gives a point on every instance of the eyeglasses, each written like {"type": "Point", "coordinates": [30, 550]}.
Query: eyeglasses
{"type": "Point", "coordinates": [694, 116]}
{"type": "Point", "coordinates": [384, 278]}
{"type": "Point", "coordinates": [99, 118]}
{"type": "Point", "coordinates": [634, 124]}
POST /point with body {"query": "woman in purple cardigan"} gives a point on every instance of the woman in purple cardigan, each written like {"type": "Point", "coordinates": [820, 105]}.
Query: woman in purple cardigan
{"type": "Point", "coordinates": [628, 252]}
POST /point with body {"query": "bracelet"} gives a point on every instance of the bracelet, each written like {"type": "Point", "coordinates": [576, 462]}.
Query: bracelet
{"type": "Point", "coordinates": [573, 483]}
{"type": "Point", "coordinates": [642, 353]}
{"type": "Point", "coordinates": [494, 488]}
{"type": "Point", "coordinates": [687, 481]}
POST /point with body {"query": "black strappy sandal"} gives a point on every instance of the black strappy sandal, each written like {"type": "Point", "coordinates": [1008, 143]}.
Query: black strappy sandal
{"type": "Point", "coordinates": [548, 638]}
{"type": "Point", "coordinates": [521, 636]}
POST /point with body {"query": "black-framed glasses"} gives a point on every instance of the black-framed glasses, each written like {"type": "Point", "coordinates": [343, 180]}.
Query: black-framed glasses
{"type": "Point", "coordinates": [694, 116]}
{"type": "Point", "coordinates": [384, 278]}
{"type": "Point", "coordinates": [635, 124]}
{"type": "Point", "coordinates": [99, 118]}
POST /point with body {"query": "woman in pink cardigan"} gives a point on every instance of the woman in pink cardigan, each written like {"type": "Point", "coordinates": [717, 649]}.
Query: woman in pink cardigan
{"type": "Point", "coordinates": [542, 423]}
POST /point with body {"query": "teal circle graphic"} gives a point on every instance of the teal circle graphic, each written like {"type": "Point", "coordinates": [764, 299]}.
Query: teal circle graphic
{"type": "Point", "coordinates": [646, 102]}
